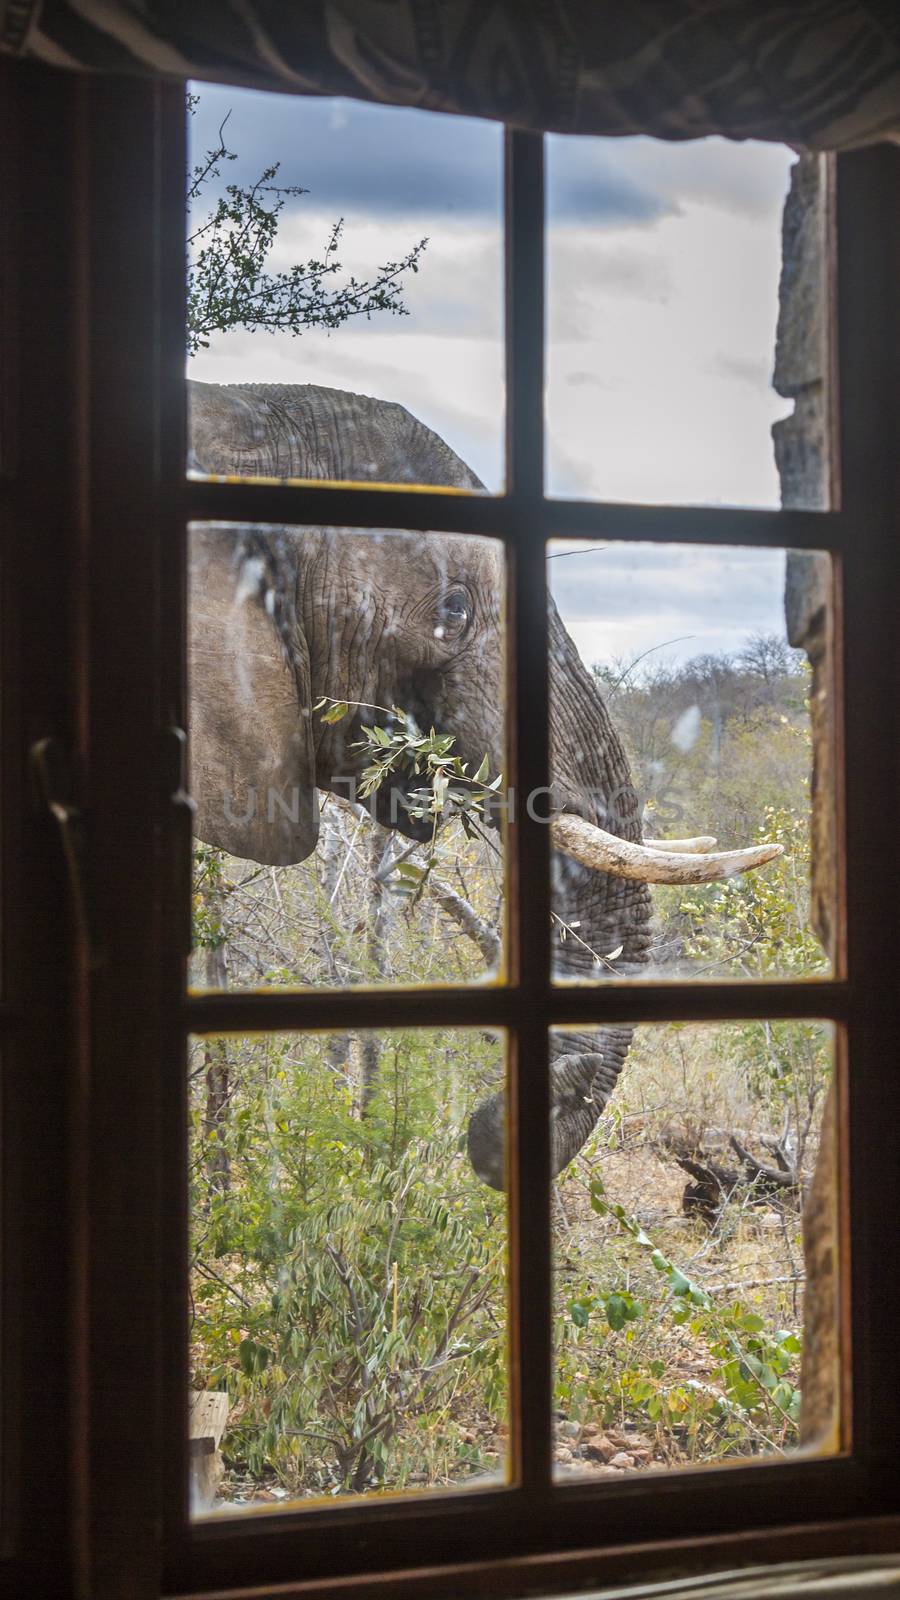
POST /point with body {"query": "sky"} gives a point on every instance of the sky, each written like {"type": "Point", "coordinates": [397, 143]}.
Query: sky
{"type": "Point", "coordinates": [663, 265]}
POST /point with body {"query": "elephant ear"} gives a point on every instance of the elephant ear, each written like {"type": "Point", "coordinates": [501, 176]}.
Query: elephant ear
{"type": "Point", "coordinates": [252, 751]}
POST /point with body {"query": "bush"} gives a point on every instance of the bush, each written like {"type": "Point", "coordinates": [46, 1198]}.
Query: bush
{"type": "Point", "coordinates": [349, 1284]}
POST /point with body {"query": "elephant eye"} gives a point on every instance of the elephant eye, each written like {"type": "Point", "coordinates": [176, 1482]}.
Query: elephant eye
{"type": "Point", "coordinates": [453, 615]}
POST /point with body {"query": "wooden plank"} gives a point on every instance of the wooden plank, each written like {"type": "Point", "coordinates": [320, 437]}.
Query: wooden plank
{"type": "Point", "coordinates": [208, 1415]}
{"type": "Point", "coordinates": [207, 1419]}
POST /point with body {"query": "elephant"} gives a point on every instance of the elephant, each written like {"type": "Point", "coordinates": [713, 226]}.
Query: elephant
{"type": "Point", "coordinates": [282, 617]}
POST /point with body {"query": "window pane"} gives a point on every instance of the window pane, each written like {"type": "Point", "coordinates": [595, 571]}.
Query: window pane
{"type": "Point", "coordinates": [348, 1270]}
{"type": "Point", "coordinates": [346, 263]}
{"type": "Point", "coordinates": [681, 1300]}
{"type": "Point", "coordinates": [686, 323]}
{"type": "Point", "coordinates": [347, 723]}
{"type": "Point", "coordinates": [684, 716]}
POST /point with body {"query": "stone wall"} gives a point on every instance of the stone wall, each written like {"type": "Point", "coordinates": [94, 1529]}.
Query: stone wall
{"type": "Point", "coordinates": [801, 446]}
{"type": "Point", "coordinates": [802, 457]}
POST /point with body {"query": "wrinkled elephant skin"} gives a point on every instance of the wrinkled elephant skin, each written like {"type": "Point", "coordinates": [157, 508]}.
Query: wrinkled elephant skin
{"type": "Point", "coordinates": [282, 617]}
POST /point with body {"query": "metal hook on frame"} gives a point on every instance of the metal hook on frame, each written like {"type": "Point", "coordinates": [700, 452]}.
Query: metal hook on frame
{"type": "Point", "coordinates": [54, 781]}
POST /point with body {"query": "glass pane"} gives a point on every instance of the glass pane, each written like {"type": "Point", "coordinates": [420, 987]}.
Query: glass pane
{"type": "Point", "coordinates": [686, 1329]}
{"type": "Point", "coordinates": [347, 727]}
{"type": "Point", "coordinates": [348, 1270]}
{"type": "Point", "coordinates": [686, 723]}
{"type": "Point", "coordinates": [686, 322]}
{"type": "Point", "coordinates": [345, 260]}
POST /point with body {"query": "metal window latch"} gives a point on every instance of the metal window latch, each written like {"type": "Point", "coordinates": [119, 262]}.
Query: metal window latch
{"type": "Point", "coordinates": [55, 788]}
{"type": "Point", "coordinates": [54, 782]}
{"type": "Point", "coordinates": [182, 837]}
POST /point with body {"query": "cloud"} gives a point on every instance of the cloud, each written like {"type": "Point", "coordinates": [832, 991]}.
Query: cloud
{"type": "Point", "coordinates": [746, 178]}
{"type": "Point", "coordinates": [402, 163]}
{"type": "Point", "coordinates": [397, 162]}
{"type": "Point", "coordinates": [593, 380]}
{"type": "Point", "coordinates": [589, 272]}
{"type": "Point", "coordinates": [337, 116]}
{"type": "Point", "coordinates": [639, 181]}
{"type": "Point", "coordinates": [457, 292]}
{"type": "Point", "coordinates": [589, 181]}
{"type": "Point", "coordinates": [623, 600]}
{"type": "Point", "coordinates": [371, 160]}
{"type": "Point", "coordinates": [663, 276]}
{"type": "Point", "coordinates": [757, 371]}
{"type": "Point", "coordinates": [681, 407]}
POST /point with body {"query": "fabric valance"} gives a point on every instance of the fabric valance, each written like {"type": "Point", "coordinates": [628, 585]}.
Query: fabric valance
{"type": "Point", "coordinates": [824, 74]}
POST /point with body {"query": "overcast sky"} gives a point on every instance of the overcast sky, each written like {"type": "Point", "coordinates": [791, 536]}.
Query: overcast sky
{"type": "Point", "coordinates": [663, 271]}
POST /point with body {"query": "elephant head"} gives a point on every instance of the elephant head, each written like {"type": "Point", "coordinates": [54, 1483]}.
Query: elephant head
{"type": "Point", "coordinates": [281, 618]}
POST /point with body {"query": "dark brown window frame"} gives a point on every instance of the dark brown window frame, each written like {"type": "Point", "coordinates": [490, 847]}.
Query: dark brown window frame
{"type": "Point", "coordinates": [121, 511]}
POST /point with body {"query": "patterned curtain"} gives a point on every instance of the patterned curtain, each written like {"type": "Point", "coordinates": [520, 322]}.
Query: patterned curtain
{"type": "Point", "coordinates": [818, 73]}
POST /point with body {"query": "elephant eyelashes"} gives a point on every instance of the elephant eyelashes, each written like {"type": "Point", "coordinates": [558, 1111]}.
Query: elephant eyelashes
{"type": "Point", "coordinates": [453, 616]}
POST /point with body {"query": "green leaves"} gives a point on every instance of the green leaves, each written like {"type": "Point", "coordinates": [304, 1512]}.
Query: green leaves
{"type": "Point", "coordinates": [336, 712]}
{"type": "Point", "coordinates": [618, 1309]}
{"type": "Point", "coordinates": [401, 753]}
{"type": "Point", "coordinates": [229, 250]}
{"type": "Point", "coordinates": [580, 1313]}
{"type": "Point", "coordinates": [622, 1308]}
{"type": "Point", "coordinates": [751, 1378]}
{"type": "Point", "coordinates": [407, 880]}
{"type": "Point", "coordinates": [253, 1357]}
{"type": "Point", "coordinates": [352, 1278]}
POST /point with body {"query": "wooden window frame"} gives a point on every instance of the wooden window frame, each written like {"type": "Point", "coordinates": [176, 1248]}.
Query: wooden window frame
{"type": "Point", "coordinates": [115, 1084]}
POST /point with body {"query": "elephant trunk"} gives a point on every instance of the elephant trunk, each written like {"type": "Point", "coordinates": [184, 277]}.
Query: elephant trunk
{"type": "Point", "coordinates": [601, 902]}
{"type": "Point", "coordinates": [601, 920]}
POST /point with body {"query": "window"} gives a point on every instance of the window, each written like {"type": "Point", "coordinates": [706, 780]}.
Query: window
{"type": "Point", "coordinates": [129, 1150]}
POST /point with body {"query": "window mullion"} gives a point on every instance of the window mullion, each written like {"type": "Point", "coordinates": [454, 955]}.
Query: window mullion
{"type": "Point", "coordinates": [772, 529]}
{"type": "Point", "coordinates": [868, 241]}
{"type": "Point", "coordinates": [452, 511]}
{"type": "Point", "coordinates": [501, 1005]}
{"type": "Point", "coordinates": [529, 1138]}
{"type": "Point", "coordinates": [346, 506]}
{"type": "Point", "coordinates": [131, 186]}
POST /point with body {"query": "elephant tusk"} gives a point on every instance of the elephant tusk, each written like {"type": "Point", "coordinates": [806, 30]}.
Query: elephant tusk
{"type": "Point", "coordinates": [604, 852]}
{"type": "Point", "coordinates": [683, 847]}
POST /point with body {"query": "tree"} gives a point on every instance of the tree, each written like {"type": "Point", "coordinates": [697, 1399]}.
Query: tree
{"type": "Point", "coordinates": [230, 245]}
{"type": "Point", "coordinates": [769, 657]}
